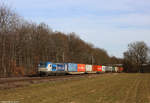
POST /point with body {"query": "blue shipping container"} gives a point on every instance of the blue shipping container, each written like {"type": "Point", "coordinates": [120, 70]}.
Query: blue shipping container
{"type": "Point", "coordinates": [60, 67]}
{"type": "Point", "coordinates": [72, 67]}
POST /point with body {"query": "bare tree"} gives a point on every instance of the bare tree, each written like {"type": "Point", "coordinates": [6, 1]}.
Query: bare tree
{"type": "Point", "coordinates": [9, 20]}
{"type": "Point", "coordinates": [136, 54]}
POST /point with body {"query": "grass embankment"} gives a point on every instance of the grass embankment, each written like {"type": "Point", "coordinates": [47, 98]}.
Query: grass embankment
{"type": "Point", "coordinates": [107, 88]}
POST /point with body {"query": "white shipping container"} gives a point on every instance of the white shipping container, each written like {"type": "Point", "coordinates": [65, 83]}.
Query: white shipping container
{"type": "Point", "coordinates": [88, 68]}
{"type": "Point", "coordinates": [103, 68]}
{"type": "Point", "coordinates": [116, 69]}
{"type": "Point", "coordinates": [110, 69]}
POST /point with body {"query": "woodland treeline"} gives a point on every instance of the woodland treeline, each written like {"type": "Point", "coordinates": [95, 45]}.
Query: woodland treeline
{"type": "Point", "coordinates": [24, 44]}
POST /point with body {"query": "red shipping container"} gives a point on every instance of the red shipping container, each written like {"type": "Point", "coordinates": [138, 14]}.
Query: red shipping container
{"type": "Point", "coordinates": [99, 68]}
{"type": "Point", "coordinates": [81, 68]}
{"type": "Point", "coordinates": [121, 69]}
{"type": "Point", "coordinates": [95, 67]}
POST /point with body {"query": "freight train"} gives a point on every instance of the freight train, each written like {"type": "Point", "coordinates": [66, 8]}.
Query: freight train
{"type": "Point", "coordinates": [49, 68]}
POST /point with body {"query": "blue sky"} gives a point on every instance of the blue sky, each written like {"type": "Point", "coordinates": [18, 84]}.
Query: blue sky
{"type": "Point", "coordinates": [108, 24]}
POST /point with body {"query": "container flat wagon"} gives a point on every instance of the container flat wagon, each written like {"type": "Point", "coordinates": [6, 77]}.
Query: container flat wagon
{"type": "Point", "coordinates": [49, 68]}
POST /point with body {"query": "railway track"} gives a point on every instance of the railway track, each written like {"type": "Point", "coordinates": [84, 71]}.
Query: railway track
{"type": "Point", "coordinates": [6, 80]}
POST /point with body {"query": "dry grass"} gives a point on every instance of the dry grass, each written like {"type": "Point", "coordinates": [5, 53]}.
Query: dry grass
{"type": "Point", "coordinates": [108, 88]}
